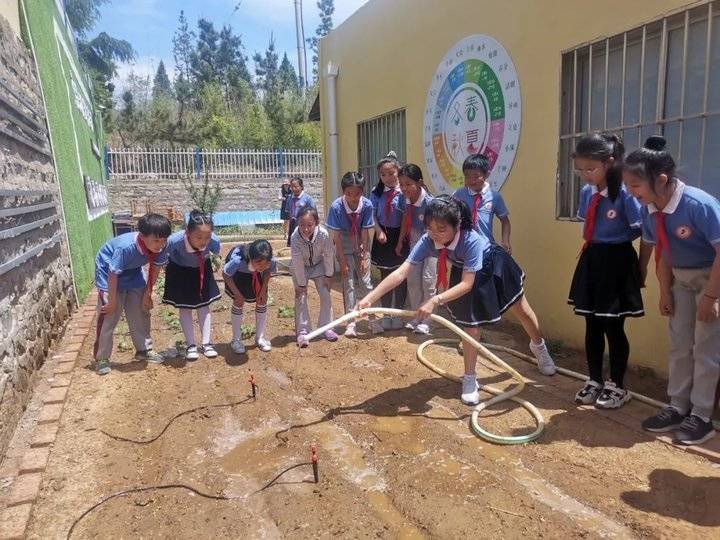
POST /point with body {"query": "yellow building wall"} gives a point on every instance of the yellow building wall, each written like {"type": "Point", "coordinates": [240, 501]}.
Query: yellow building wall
{"type": "Point", "coordinates": [9, 10]}
{"type": "Point", "coordinates": [387, 54]}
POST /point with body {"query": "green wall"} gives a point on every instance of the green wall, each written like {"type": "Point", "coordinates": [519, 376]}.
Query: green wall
{"type": "Point", "coordinates": [75, 125]}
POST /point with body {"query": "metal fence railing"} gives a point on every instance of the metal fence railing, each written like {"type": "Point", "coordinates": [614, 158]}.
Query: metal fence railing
{"type": "Point", "coordinates": [216, 163]}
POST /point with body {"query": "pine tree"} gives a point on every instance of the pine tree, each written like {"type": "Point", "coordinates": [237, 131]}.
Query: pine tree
{"type": "Point", "coordinates": [287, 79]}
{"type": "Point", "coordinates": [161, 84]}
{"type": "Point", "coordinates": [183, 48]}
{"type": "Point", "coordinates": [266, 68]}
{"type": "Point", "coordinates": [326, 8]}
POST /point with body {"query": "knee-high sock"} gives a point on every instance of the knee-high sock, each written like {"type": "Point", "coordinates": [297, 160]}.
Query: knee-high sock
{"type": "Point", "coordinates": [186, 322]}
{"type": "Point", "coordinates": [237, 319]}
{"type": "Point", "coordinates": [260, 320]}
{"type": "Point", "coordinates": [205, 321]}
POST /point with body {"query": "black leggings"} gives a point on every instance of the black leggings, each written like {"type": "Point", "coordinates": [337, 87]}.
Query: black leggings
{"type": "Point", "coordinates": [596, 329]}
{"type": "Point", "coordinates": [396, 297]}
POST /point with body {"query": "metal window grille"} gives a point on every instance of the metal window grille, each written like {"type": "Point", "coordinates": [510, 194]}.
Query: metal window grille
{"type": "Point", "coordinates": [376, 137]}
{"type": "Point", "coordinates": [660, 78]}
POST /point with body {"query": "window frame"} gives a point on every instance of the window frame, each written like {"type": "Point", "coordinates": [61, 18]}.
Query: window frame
{"type": "Point", "coordinates": [571, 128]}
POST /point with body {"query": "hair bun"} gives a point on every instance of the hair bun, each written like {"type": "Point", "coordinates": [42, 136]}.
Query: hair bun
{"type": "Point", "coordinates": [656, 142]}
{"type": "Point", "coordinates": [391, 154]}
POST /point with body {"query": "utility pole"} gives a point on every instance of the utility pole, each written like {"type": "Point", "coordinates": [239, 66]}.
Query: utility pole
{"type": "Point", "coordinates": [300, 36]}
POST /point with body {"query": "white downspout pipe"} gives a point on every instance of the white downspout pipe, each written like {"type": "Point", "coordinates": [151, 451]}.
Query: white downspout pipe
{"type": "Point", "coordinates": [331, 75]}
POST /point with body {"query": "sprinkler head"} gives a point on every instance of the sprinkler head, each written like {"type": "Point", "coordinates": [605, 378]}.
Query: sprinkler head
{"type": "Point", "coordinates": [253, 386]}
{"type": "Point", "coordinates": [316, 474]}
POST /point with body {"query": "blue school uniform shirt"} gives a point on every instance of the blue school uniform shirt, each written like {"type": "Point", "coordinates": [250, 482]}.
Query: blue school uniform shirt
{"type": "Point", "coordinates": [615, 222]}
{"type": "Point", "coordinates": [122, 256]}
{"type": "Point", "coordinates": [492, 205]}
{"type": "Point", "coordinates": [418, 209]}
{"type": "Point", "coordinates": [299, 203]}
{"type": "Point", "coordinates": [338, 219]}
{"type": "Point", "coordinates": [465, 251]}
{"type": "Point", "coordinates": [378, 201]}
{"type": "Point", "coordinates": [183, 254]}
{"type": "Point", "coordinates": [236, 263]}
{"type": "Point", "coordinates": [692, 222]}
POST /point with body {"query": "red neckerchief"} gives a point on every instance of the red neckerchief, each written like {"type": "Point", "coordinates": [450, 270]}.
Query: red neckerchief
{"type": "Point", "coordinates": [408, 222]}
{"type": "Point", "coordinates": [442, 278]}
{"type": "Point", "coordinates": [145, 250]}
{"type": "Point", "coordinates": [354, 219]}
{"type": "Point", "coordinates": [589, 226]}
{"type": "Point", "coordinates": [256, 283]}
{"type": "Point", "coordinates": [476, 204]}
{"type": "Point", "coordinates": [200, 256]}
{"type": "Point", "coordinates": [663, 244]}
{"type": "Point", "coordinates": [389, 196]}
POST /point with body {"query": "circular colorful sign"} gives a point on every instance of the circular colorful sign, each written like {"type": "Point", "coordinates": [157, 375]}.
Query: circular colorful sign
{"type": "Point", "coordinates": [472, 106]}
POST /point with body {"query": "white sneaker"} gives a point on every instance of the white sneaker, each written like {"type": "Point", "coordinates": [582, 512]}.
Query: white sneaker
{"type": "Point", "coordinates": [545, 361]}
{"type": "Point", "coordinates": [209, 351]}
{"type": "Point", "coordinates": [422, 328]}
{"type": "Point", "coordinates": [263, 344]}
{"type": "Point", "coordinates": [612, 397]}
{"type": "Point", "coordinates": [589, 393]}
{"type": "Point", "coordinates": [350, 330]}
{"type": "Point", "coordinates": [376, 327]}
{"type": "Point", "coordinates": [237, 346]}
{"type": "Point", "coordinates": [470, 390]}
{"type": "Point", "coordinates": [411, 325]}
{"type": "Point", "coordinates": [192, 353]}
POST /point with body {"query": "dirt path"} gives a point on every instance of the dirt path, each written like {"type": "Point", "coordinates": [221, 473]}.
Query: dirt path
{"type": "Point", "coordinates": [397, 459]}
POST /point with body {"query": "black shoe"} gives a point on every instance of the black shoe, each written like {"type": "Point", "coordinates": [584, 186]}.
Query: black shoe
{"type": "Point", "coordinates": [666, 420]}
{"type": "Point", "coordinates": [694, 430]}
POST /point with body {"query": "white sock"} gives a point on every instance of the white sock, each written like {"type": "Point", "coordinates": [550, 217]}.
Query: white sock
{"type": "Point", "coordinates": [205, 320]}
{"type": "Point", "coordinates": [186, 322]}
{"type": "Point", "coordinates": [260, 320]}
{"type": "Point", "coordinates": [237, 319]}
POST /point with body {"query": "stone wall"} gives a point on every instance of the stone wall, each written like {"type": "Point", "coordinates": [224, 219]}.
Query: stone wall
{"type": "Point", "coordinates": [37, 296]}
{"type": "Point", "coordinates": [237, 194]}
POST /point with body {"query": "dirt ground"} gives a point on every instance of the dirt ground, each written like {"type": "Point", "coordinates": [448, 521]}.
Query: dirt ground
{"type": "Point", "coordinates": [396, 456]}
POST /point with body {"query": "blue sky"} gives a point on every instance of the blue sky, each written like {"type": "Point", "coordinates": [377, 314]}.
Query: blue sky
{"type": "Point", "coordinates": [149, 26]}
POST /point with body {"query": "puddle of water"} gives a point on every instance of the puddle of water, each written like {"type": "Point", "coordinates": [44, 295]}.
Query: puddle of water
{"type": "Point", "coordinates": [399, 425]}
{"type": "Point", "coordinates": [384, 507]}
{"type": "Point", "coordinates": [394, 424]}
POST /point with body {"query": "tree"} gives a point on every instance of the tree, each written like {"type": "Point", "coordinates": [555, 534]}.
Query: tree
{"type": "Point", "coordinates": [287, 78]}
{"type": "Point", "coordinates": [326, 8]}
{"type": "Point", "coordinates": [217, 126]}
{"type": "Point", "coordinates": [183, 48]}
{"type": "Point", "coordinates": [203, 67]}
{"type": "Point", "coordinates": [266, 68]}
{"type": "Point", "coordinates": [100, 53]}
{"type": "Point", "coordinates": [218, 58]}
{"type": "Point", "coordinates": [161, 83]}
{"type": "Point", "coordinates": [127, 119]}
{"type": "Point", "coordinates": [204, 196]}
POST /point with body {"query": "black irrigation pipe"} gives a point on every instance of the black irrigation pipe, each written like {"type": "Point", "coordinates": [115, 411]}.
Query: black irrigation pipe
{"type": "Point", "coordinates": [148, 441]}
{"type": "Point", "coordinates": [163, 487]}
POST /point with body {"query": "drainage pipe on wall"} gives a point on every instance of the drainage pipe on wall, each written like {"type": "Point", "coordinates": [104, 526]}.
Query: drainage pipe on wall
{"type": "Point", "coordinates": [331, 77]}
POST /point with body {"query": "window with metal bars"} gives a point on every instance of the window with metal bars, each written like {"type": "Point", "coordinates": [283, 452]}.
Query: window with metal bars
{"type": "Point", "coordinates": [376, 137]}
{"type": "Point", "coordinates": [662, 78]}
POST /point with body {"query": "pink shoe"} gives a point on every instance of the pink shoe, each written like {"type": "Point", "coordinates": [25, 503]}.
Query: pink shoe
{"type": "Point", "coordinates": [302, 340]}
{"type": "Point", "coordinates": [331, 336]}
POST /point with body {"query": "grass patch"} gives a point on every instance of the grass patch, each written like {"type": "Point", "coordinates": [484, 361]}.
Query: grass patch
{"type": "Point", "coordinates": [286, 312]}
